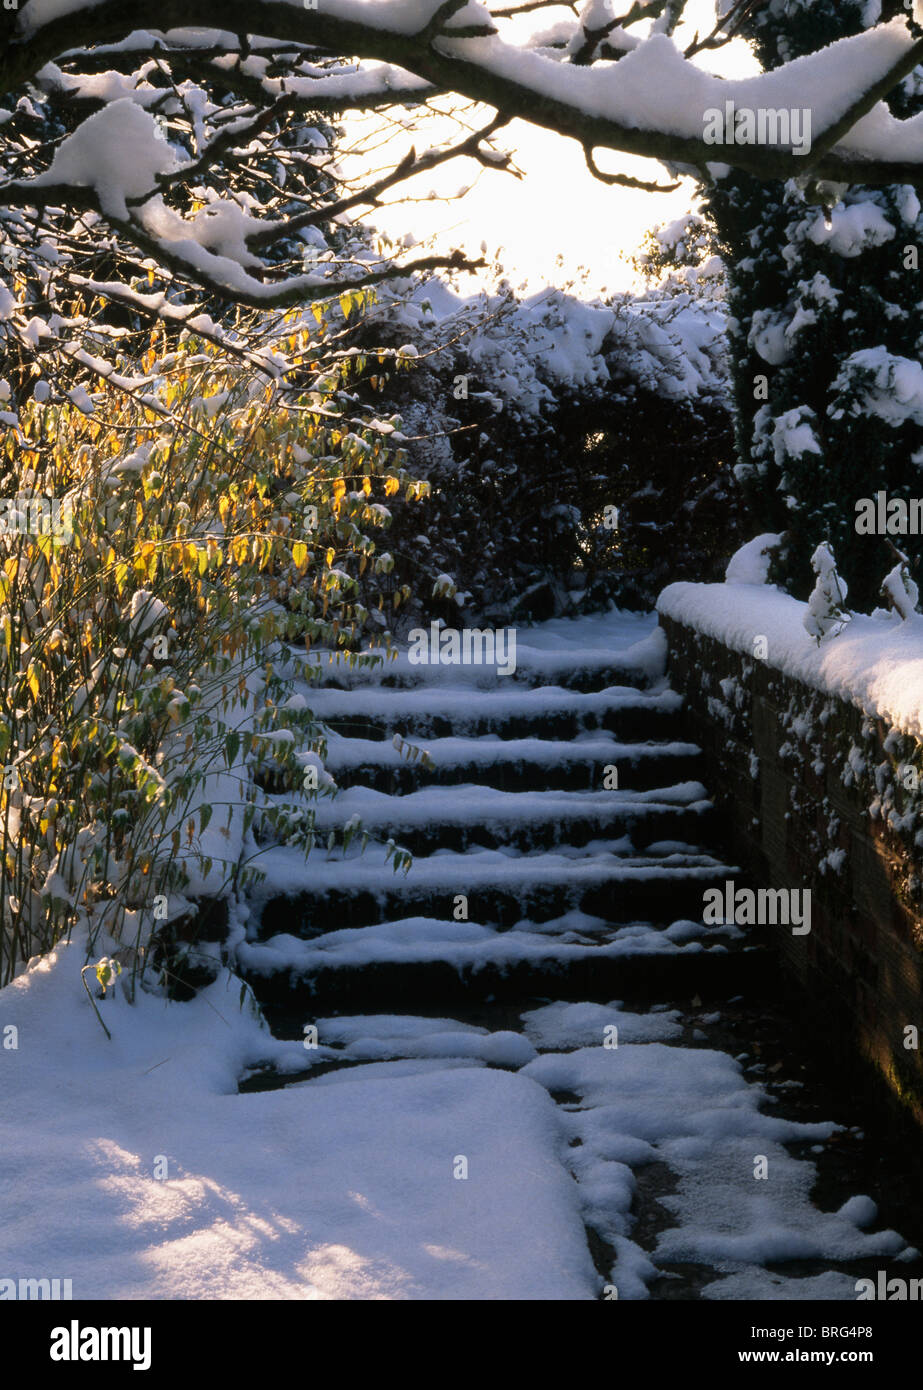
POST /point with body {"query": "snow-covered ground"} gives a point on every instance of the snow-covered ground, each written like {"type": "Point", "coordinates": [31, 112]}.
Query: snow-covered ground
{"type": "Point", "coordinates": [134, 1169]}
{"type": "Point", "coordinates": [334, 1191]}
{"type": "Point", "coordinates": [415, 1157]}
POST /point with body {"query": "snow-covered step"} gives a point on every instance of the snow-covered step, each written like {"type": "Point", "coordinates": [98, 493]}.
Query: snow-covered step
{"type": "Point", "coordinates": [548, 712]}
{"type": "Point", "coordinates": [608, 879]}
{"type": "Point", "coordinates": [593, 671]}
{"type": "Point", "coordinates": [543, 906]}
{"type": "Point", "coordinates": [465, 817]}
{"type": "Point", "coordinates": [421, 960]}
{"type": "Point", "coordinates": [521, 764]}
{"type": "Point", "coordinates": [604, 650]}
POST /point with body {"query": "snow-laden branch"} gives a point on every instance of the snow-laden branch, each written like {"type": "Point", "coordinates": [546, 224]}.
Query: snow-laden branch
{"type": "Point", "coordinates": [200, 151]}
{"type": "Point", "coordinates": [652, 102]}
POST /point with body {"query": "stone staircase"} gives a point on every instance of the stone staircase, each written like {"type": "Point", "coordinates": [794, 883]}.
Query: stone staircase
{"type": "Point", "coordinates": [544, 893]}
{"type": "Point", "coordinates": [558, 836]}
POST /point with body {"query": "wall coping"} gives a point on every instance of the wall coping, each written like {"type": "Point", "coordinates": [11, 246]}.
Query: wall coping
{"type": "Point", "coordinates": [875, 662]}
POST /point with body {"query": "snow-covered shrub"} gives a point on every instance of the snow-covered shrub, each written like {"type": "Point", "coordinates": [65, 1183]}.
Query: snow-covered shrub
{"type": "Point", "coordinates": [682, 257]}
{"type": "Point", "coordinates": [576, 452]}
{"type": "Point", "coordinates": [165, 546]}
{"type": "Point", "coordinates": [900, 590]}
{"type": "Point", "coordinates": [751, 563]}
{"type": "Point", "coordinates": [826, 324]}
{"type": "Point", "coordinates": [826, 616]}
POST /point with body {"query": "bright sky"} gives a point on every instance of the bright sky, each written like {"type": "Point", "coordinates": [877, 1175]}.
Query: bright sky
{"type": "Point", "coordinates": [535, 220]}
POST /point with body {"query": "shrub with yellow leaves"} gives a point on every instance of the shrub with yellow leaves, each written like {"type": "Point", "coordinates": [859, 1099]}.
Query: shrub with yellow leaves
{"type": "Point", "coordinates": [217, 524]}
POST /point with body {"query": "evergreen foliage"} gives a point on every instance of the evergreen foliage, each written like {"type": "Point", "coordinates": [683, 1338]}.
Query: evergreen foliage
{"type": "Point", "coordinates": [826, 319]}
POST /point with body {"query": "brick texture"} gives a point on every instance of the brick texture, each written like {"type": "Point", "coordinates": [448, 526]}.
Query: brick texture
{"type": "Point", "coordinates": [814, 793]}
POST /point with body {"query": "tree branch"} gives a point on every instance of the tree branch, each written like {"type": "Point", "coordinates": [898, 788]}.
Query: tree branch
{"type": "Point", "coordinates": [863, 105]}
{"type": "Point", "coordinates": [624, 180]}
{"type": "Point", "coordinates": [492, 75]}
{"type": "Point", "coordinates": [409, 166]}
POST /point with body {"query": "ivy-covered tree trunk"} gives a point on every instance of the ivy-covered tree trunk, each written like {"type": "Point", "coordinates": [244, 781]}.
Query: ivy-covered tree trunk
{"type": "Point", "coordinates": [826, 303]}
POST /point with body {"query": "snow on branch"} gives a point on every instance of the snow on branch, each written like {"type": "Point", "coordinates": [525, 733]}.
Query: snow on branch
{"type": "Point", "coordinates": [200, 150]}
{"type": "Point", "coordinates": [653, 101]}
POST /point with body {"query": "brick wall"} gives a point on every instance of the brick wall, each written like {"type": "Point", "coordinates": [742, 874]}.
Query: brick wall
{"type": "Point", "coordinates": [813, 793]}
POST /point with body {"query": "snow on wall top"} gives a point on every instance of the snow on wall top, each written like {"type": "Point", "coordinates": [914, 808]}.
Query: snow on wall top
{"type": "Point", "coordinates": [876, 663]}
